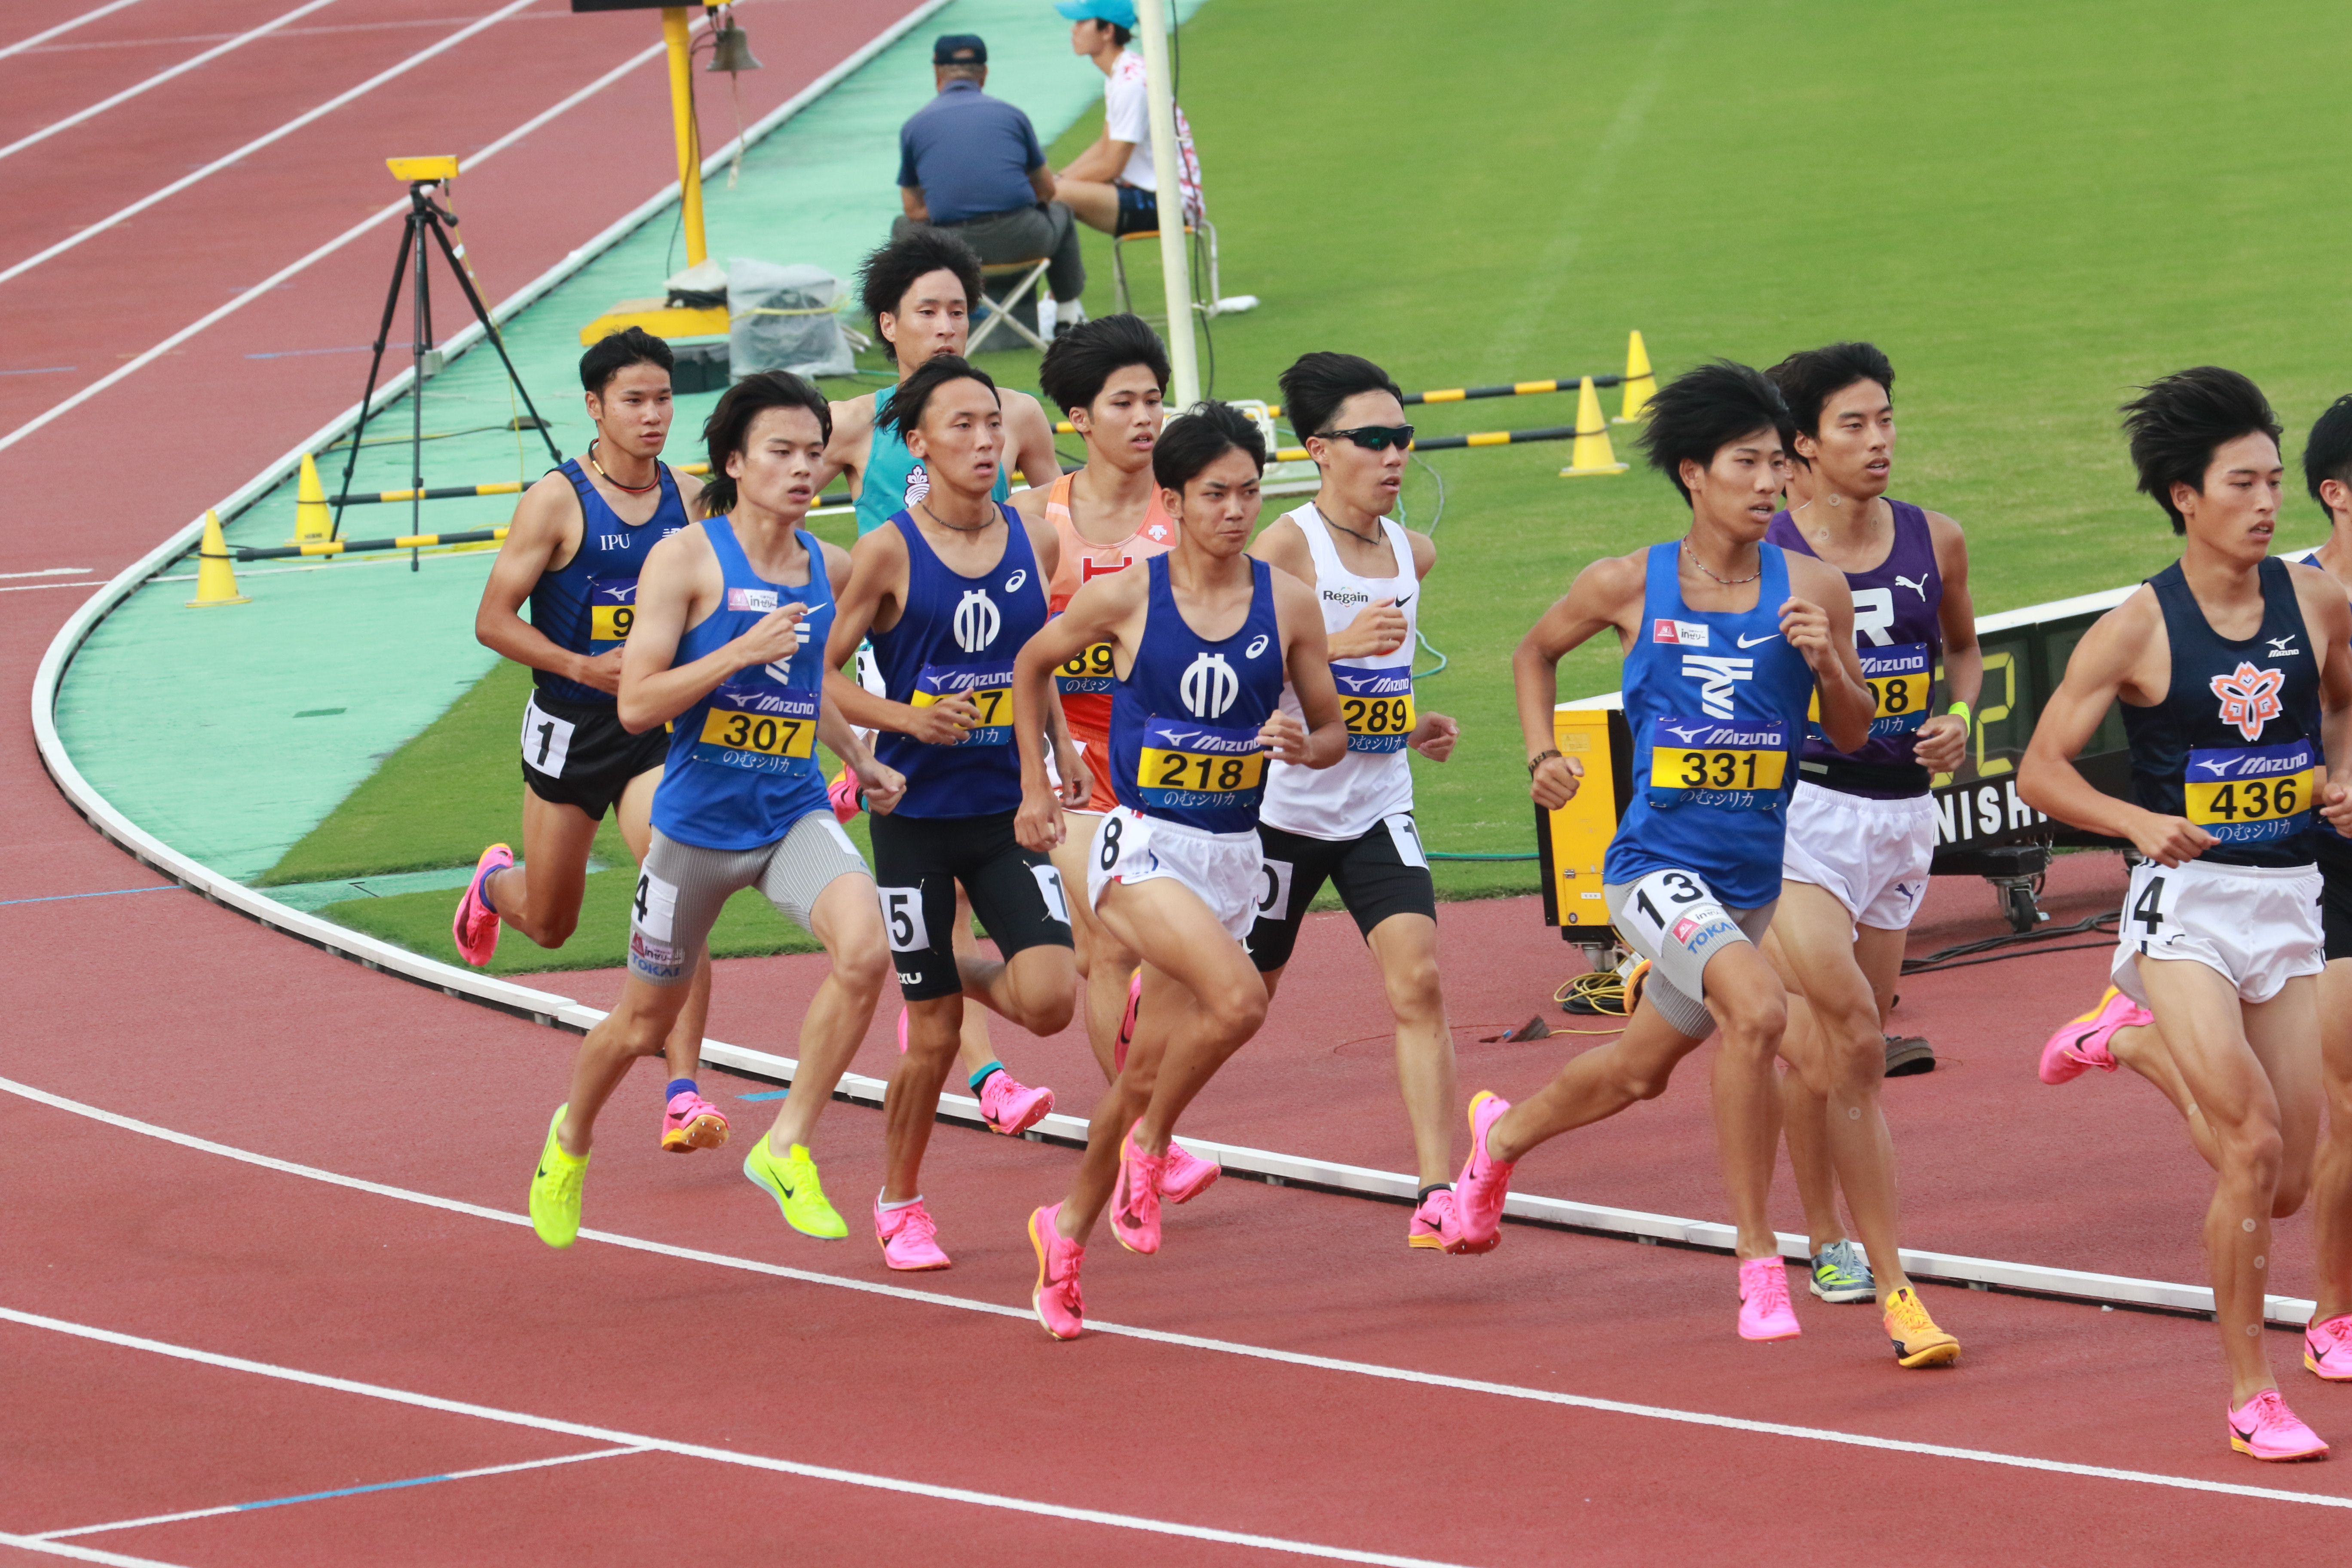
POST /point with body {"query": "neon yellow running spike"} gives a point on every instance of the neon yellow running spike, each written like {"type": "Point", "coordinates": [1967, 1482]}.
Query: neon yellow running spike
{"type": "Point", "coordinates": [555, 1189]}
{"type": "Point", "coordinates": [792, 1183]}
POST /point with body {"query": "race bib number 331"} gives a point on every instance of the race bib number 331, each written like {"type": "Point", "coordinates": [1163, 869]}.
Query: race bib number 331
{"type": "Point", "coordinates": [1736, 764]}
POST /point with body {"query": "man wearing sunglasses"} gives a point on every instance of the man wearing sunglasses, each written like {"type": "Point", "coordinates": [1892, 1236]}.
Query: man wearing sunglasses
{"type": "Point", "coordinates": [1351, 824]}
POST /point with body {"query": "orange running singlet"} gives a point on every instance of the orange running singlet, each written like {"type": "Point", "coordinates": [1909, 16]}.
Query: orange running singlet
{"type": "Point", "coordinates": [1086, 681]}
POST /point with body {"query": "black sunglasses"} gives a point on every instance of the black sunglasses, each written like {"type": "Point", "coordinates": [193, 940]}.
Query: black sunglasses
{"type": "Point", "coordinates": [1374, 437]}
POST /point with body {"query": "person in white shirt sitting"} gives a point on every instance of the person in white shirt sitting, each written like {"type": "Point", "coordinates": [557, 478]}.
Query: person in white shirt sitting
{"type": "Point", "coordinates": [1112, 185]}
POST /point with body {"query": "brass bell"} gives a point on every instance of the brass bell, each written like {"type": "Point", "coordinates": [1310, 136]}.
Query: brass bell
{"type": "Point", "coordinates": [732, 48]}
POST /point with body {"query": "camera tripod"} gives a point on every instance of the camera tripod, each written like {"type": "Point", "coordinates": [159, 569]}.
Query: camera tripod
{"type": "Point", "coordinates": [425, 216]}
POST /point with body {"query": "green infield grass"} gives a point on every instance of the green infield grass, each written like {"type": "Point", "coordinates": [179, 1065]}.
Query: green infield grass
{"type": "Point", "coordinates": [2031, 208]}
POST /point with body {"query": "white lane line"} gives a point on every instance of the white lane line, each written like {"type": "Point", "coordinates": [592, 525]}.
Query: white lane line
{"type": "Point", "coordinates": [1193, 1341]}
{"type": "Point", "coordinates": [259, 143]}
{"type": "Point", "coordinates": [87, 17]}
{"type": "Point", "coordinates": [720, 1456]}
{"type": "Point", "coordinates": [474, 160]}
{"type": "Point", "coordinates": [52, 572]}
{"type": "Point", "coordinates": [28, 587]}
{"type": "Point", "coordinates": [159, 78]}
{"type": "Point", "coordinates": [342, 1492]}
{"type": "Point", "coordinates": [80, 1554]}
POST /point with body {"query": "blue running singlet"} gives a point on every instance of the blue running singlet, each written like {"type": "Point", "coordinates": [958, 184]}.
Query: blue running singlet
{"type": "Point", "coordinates": [958, 634]}
{"type": "Point", "coordinates": [1184, 721]}
{"type": "Point", "coordinates": [1716, 700]}
{"type": "Point", "coordinates": [587, 604]}
{"type": "Point", "coordinates": [2235, 745]}
{"type": "Point", "coordinates": [742, 764]}
{"type": "Point", "coordinates": [1899, 636]}
{"type": "Point", "coordinates": [893, 481]}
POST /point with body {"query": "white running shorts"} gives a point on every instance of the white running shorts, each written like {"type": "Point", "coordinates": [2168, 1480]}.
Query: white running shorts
{"type": "Point", "coordinates": [2256, 926]}
{"type": "Point", "coordinates": [1871, 855]}
{"type": "Point", "coordinates": [1222, 869]}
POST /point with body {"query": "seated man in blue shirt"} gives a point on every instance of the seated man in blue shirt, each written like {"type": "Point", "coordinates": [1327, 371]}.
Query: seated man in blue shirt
{"type": "Point", "coordinates": [972, 163]}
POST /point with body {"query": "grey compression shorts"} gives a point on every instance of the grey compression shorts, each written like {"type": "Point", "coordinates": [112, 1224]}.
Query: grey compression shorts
{"type": "Point", "coordinates": [681, 887]}
{"type": "Point", "coordinates": [1673, 920]}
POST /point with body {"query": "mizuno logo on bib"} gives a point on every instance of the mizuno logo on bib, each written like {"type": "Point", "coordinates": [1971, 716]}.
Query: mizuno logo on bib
{"type": "Point", "coordinates": [1898, 677]}
{"type": "Point", "coordinates": [990, 687]}
{"type": "Point", "coordinates": [1194, 766]}
{"type": "Point", "coordinates": [2248, 794]}
{"type": "Point", "coordinates": [1729, 766]}
{"type": "Point", "coordinates": [612, 610]}
{"type": "Point", "coordinates": [1377, 706]}
{"type": "Point", "coordinates": [757, 722]}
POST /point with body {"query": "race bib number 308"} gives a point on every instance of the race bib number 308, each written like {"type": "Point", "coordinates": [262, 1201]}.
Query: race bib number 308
{"type": "Point", "coordinates": [1375, 705]}
{"type": "Point", "coordinates": [990, 687]}
{"type": "Point", "coordinates": [1899, 677]}
{"type": "Point", "coordinates": [1737, 765]}
{"type": "Point", "coordinates": [2249, 794]}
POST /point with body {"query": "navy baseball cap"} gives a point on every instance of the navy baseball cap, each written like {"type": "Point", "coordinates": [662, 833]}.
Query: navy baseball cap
{"type": "Point", "coordinates": [1117, 13]}
{"type": "Point", "coordinates": [959, 49]}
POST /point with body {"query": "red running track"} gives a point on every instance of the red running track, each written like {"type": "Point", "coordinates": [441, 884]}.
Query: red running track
{"type": "Point", "coordinates": [1396, 1403]}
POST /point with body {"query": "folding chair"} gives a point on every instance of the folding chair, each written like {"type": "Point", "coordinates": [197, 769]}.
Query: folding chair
{"type": "Point", "coordinates": [1032, 276]}
{"type": "Point", "coordinates": [1201, 232]}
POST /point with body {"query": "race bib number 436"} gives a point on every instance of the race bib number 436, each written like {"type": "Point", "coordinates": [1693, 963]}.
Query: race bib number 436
{"type": "Point", "coordinates": [1377, 706]}
{"type": "Point", "coordinates": [2249, 794]}
{"type": "Point", "coordinates": [1736, 764]}
{"type": "Point", "coordinates": [990, 687]}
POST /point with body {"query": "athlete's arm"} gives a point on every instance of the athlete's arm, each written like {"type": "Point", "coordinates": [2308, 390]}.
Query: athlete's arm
{"type": "Point", "coordinates": [1102, 611]}
{"type": "Point", "coordinates": [1102, 162]}
{"type": "Point", "coordinates": [2106, 664]}
{"type": "Point", "coordinates": [853, 440]}
{"type": "Point", "coordinates": [1306, 663]}
{"type": "Point", "coordinates": [879, 569]}
{"type": "Point", "coordinates": [681, 578]}
{"type": "Point", "coordinates": [882, 783]}
{"type": "Point", "coordinates": [2328, 623]}
{"type": "Point", "coordinates": [1379, 627]}
{"type": "Point", "coordinates": [1818, 622]}
{"type": "Point", "coordinates": [1942, 741]}
{"type": "Point", "coordinates": [1606, 594]}
{"type": "Point", "coordinates": [1029, 442]}
{"type": "Point", "coordinates": [544, 537]}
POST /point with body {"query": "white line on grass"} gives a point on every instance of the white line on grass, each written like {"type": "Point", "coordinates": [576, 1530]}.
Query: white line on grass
{"type": "Point", "coordinates": [476, 160]}
{"type": "Point", "coordinates": [259, 143]}
{"type": "Point", "coordinates": [159, 78]}
{"type": "Point", "coordinates": [87, 17]}
{"type": "Point", "coordinates": [1192, 1341]}
{"type": "Point", "coordinates": [720, 1456]}
{"type": "Point", "coordinates": [343, 1491]}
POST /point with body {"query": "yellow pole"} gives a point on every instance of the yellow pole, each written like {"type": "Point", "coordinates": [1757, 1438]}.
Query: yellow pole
{"type": "Point", "coordinates": [681, 108]}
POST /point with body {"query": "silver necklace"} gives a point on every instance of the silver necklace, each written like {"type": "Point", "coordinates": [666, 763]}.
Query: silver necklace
{"type": "Point", "coordinates": [1723, 582]}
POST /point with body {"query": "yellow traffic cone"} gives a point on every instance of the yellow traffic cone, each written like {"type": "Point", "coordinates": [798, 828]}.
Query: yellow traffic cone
{"type": "Point", "coordinates": [1639, 383]}
{"type": "Point", "coordinates": [216, 578]}
{"type": "Point", "coordinates": [1591, 454]}
{"type": "Point", "coordinates": [313, 523]}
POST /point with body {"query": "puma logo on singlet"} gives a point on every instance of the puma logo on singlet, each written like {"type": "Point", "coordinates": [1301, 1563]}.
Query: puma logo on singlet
{"type": "Point", "coordinates": [1920, 587]}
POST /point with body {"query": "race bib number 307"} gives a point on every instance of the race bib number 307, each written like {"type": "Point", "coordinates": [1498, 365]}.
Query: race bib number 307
{"type": "Point", "coordinates": [1735, 765]}
{"type": "Point", "coordinates": [2249, 794]}
{"type": "Point", "coordinates": [1377, 706]}
{"type": "Point", "coordinates": [755, 722]}
{"type": "Point", "coordinates": [990, 687]}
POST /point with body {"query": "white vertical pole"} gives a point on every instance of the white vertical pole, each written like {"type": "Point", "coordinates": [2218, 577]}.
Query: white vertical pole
{"type": "Point", "coordinates": [1152, 23]}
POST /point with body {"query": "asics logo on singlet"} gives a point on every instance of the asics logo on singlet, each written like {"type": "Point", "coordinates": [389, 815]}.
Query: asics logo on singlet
{"type": "Point", "coordinates": [1209, 685]}
{"type": "Point", "coordinates": [1013, 584]}
{"type": "Point", "coordinates": [1715, 673]}
{"type": "Point", "coordinates": [1257, 646]}
{"type": "Point", "coordinates": [976, 621]}
{"type": "Point", "coordinates": [1920, 587]}
{"type": "Point", "coordinates": [2250, 697]}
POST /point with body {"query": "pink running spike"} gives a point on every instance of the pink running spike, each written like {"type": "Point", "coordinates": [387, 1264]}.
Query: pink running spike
{"type": "Point", "coordinates": [842, 793]}
{"type": "Point", "coordinates": [474, 927]}
{"type": "Point", "coordinates": [1135, 1196]}
{"type": "Point", "coordinates": [2081, 1042]}
{"type": "Point", "coordinates": [1012, 1107]}
{"type": "Point", "coordinates": [1484, 1183]}
{"type": "Point", "coordinates": [1764, 1310]}
{"type": "Point", "coordinates": [2264, 1428]}
{"type": "Point", "coordinates": [1187, 1176]}
{"type": "Point", "coordinates": [2327, 1349]}
{"type": "Point", "coordinates": [1434, 1221]}
{"type": "Point", "coordinates": [907, 1238]}
{"type": "Point", "coordinates": [1060, 1308]}
{"type": "Point", "coordinates": [691, 1122]}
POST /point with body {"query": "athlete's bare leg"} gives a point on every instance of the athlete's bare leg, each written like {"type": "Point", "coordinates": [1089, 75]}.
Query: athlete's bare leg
{"type": "Point", "coordinates": [2141, 1048]}
{"type": "Point", "coordinates": [1104, 962]}
{"type": "Point", "coordinates": [1804, 1114]}
{"type": "Point", "coordinates": [1037, 989]}
{"type": "Point", "coordinates": [2331, 1175]}
{"type": "Point", "coordinates": [1202, 1002]}
{"type": "Point", "coordinates": [1745, 999]}
{"type": "Point", "coordinates": [2254, 1069]}
{"type": "Point", "coordinates": [1842, 1057]}
{"type": "Point", "coordinates": [973, 1048]}
{"type": "Point", "coordinates": [848, 921]}
{"type": "Point", "coordinates": [637, 1027]}
{"type": "Point", "coordinates": [633, 816]}
{"type": "Point", "coordinates": [1094, 203]}
{"type": "Point", "coordinates": [1405, 947]}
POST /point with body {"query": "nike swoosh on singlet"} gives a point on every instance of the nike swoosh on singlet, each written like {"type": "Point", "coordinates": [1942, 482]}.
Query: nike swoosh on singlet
{"type": "Point", "coordinates": [1752, 642]}
{"type": "Point", "coordinates": [1400, 603]}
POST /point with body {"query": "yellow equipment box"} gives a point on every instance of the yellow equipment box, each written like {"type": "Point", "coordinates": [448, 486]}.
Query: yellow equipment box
{"type": "Point", "coordinates": [1570, 842]}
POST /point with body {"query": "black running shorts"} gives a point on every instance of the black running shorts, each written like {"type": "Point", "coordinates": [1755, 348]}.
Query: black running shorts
{"type": "Point", "coordinates": [1380, 874]}
{"type": "Point", "coordinates": [577, 754]}
{"type": "Point", "coordinates": [1015, 893]}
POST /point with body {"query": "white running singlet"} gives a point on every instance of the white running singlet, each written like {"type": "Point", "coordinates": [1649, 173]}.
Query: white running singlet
{"type": "Point", "coordinates": [1375, 780]}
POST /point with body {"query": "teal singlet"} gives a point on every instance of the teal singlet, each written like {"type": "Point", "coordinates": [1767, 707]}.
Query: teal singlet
{"type": "Point", "coordinates": [893, 481]}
